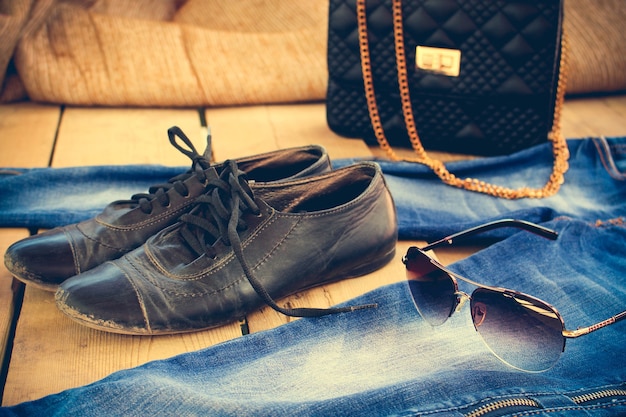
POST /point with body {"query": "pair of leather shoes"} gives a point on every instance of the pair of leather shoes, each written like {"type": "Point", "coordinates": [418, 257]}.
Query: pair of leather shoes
{"type": "Point", "coordinates": [47, 259]}
{"type": "Point", "coordinates": [238, 245]}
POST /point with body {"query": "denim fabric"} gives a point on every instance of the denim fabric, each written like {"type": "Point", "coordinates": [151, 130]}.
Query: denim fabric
{"type": "Point", "coordinates": [594, 188]}
{"type": "Point", "coordinates": [388, 361]}
{"type": "Point", "coordinates": [49, 197]}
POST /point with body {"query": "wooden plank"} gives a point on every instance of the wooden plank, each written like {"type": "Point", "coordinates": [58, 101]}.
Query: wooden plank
{"type": "Point", "coordinates": [28, 131]}
{"type": "Point", "coordinates": [10, 290]}
{"type": "Point", "coordinates": [93, 136]}
{"type": "Point", "coordinates": [617, 104]}
{"type": "Point", "coordinates": [249, 130]}
{"type": "Point", "coordinates": [305, 124]}
{"type": "Point", "coordinates": [594, 116]}
{"type": "Point", "coordinates": [240, 131]}
{"type": "Point", "coordinates": [53, 353]}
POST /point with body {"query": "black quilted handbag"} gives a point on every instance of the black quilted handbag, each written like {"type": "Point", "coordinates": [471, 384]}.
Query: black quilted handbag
{"type": "Point", "coordinates": [482, 77]}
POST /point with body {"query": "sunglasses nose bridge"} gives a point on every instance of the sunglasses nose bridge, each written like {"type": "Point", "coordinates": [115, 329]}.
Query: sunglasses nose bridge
{"type": "Point", "coordinates": [462, 298]}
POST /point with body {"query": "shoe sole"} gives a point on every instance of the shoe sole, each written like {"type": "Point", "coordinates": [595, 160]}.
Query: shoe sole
{"type": "Point", "coordinates": [41, 285]}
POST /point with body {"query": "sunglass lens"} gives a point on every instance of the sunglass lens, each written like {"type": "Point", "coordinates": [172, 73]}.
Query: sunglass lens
{"type": "Point", "coordinates": [433, 290]}
{"type": "Point", "coordinates": [520, 330]}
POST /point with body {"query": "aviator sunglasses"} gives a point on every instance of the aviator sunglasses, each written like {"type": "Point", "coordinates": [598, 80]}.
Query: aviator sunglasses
{"type": "Point", "coordinates": [522, 331]}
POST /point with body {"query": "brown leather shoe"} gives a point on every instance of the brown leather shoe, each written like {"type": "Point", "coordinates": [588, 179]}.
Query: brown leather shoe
{"type": "Point", "coordinates": [242, 247]}
{"type": "Point", "coordinates": [49, 258]}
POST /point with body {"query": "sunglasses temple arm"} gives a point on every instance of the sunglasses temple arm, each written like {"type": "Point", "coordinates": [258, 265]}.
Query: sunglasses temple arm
{"type": "Point", "coordinates": [581, 331]}
{"type": "Point", "coordinates": [519, 224]}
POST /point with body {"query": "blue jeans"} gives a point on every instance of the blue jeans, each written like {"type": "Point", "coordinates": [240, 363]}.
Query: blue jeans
{"type": "Point", "coordinates": [43, 198]}
{"type": "Point", "coordinates": [594, 188]}
{"type": "Point", "coordinates": [48, 197]}
{"type": "Point", "coordinates": [388, 361]}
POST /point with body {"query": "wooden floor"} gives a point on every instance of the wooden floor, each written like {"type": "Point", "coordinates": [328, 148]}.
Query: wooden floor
{"type": "Point", "coordinates": [46, 352]}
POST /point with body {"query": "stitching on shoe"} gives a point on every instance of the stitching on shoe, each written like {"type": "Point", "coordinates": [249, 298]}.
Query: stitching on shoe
{"type": "Point", "coordinates": [216, 266]}
{"type": "Point", "coordinates": [70, 241]}
{"type": "Point", "coordinates": [278, 244]}
{"type": "Point", "coordinates": [140, 300]}
{"type": "Point", "coordinates": [242, 278]}
{"type": "Point", "coordinates": [263, 260]}
{"type": "Point", "coordinates": [96, 241]}
{"type": "Point", "coordinates": [226, 262]}
{"type": "Point", "coordinates": [148, 222]}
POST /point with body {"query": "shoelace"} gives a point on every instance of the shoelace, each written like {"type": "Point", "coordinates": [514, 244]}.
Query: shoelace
{"type": "Point", "coordinates": [218, 216]}
{"type": "Point", "coordinates": [199, 163]}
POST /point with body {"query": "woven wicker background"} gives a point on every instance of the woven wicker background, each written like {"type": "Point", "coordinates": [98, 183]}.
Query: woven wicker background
{"type": "Point", "coordinates": [221, 52]}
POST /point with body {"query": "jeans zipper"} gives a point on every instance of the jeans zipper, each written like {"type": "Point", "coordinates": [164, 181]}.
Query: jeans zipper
{"type": "Point", "coordinates": [599, 395]}
{"type": "Point", "coordinates": [502, 404]}
{"type": "Point", "coordinates": [530, 403]}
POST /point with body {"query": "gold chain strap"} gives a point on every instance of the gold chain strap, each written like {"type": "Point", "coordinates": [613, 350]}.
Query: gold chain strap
{"type": "Point", "coordinates": [559, 144]}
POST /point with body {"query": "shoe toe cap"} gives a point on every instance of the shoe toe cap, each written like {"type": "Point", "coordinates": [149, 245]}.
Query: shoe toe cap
{"type": "Point", "coordinates": [103, 298]}
{"type": "Point", "coordinates": [44, 260]}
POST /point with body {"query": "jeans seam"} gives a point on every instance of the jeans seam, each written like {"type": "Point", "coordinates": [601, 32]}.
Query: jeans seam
{"type": "Point", "coordinates": [605, 153]}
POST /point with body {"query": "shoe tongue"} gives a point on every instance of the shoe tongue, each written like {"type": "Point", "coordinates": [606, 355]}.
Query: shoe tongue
{"type": "Point", "coordinates": [208, 151]}
{"type": "Point", "coordinates": [210, 173]}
